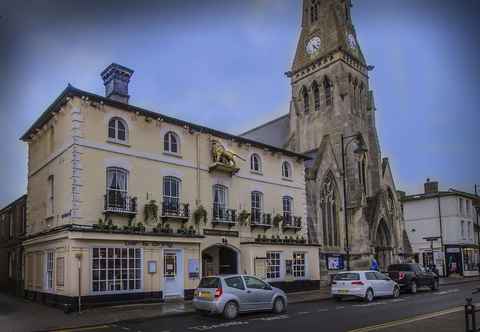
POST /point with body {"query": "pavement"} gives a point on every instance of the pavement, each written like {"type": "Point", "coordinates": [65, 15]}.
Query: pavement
{"type": "Point", "coordinates": [20, 315]}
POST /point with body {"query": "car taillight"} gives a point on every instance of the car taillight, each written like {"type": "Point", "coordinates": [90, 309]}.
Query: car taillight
{"type": "Point", "coordinates": [401, 275]}
{"type": "Point", "coordinates": [357, 283]}
{"type": "Point", "coordinates": [218, 292]}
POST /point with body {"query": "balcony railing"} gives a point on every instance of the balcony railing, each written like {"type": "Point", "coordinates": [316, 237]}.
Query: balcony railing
{"type": "Point", "coordinates": [291, 222]}
{"type": "Point", "coordinates": [222, 215]}
{"type": "Point", "coordinates": [120, 203]}
{"type": "Point", "coordinates": [172, 208]}
{"type": "Point", "coordinates": [260, 219]}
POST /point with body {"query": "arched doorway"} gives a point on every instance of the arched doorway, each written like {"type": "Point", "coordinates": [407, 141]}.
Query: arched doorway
{"type": "Point", "coordinates": [383, 245]}
{"type": "Point", "coordinates": [220, 259]}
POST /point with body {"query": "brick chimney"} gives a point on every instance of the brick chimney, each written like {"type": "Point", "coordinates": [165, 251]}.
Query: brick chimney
{"type": "Point", "coordinates": [431, 187]}
{"type": "Point", "coordinates": [116, 79]}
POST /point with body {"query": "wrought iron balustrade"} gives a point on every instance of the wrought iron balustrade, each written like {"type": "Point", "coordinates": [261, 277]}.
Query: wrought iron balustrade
{"type": "Point", "coordinates": [223, 215]}
{"type": "Point", "coordinates": [172, 207]}
{"type": "Point", "coordinates": [119, 202]}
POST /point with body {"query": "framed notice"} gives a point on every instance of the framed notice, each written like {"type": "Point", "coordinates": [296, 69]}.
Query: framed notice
{"type": "Point", "coordinates": [193, 268]}
{"type": "Point", "coordinates": [334, 262]}
{"type": "Point", "coordinates": [152, 266]}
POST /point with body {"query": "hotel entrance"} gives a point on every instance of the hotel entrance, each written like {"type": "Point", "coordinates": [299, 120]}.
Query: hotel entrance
{"type": "Point", "coordinates": [219, 259]}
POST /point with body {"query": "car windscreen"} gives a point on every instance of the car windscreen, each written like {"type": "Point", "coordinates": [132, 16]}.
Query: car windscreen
{"type": "Point", "coordinates": [347, 276]}
{"type": "Point", "coordinates": [209, 282]}
{"type": "Point", "coordinates": [400, 267]}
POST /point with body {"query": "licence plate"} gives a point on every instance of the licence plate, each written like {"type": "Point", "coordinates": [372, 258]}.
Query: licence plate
{"type": "Point", "coordinates": [205, 295]}
{"type": "Point", "coordinates": [343, 291]}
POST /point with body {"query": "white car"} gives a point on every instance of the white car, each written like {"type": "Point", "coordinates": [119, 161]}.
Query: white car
{"type": "Point", "coordinates": [363, 284]}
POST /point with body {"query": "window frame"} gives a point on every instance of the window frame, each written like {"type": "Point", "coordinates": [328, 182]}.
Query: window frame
{"type": "Point", "coordinates": [171, 139]}
{"type": "Point", "coordinates": [256, 279]}
{"type": "Point", "coordinates": [299, 266]}
{"type": "Point", "coordinates": [255, 160]}
{"type": "Point", "coordinates": [49, 270]}
{"type": "Point", "coordinates": [258, 207]}
{"type": "Point", "coordinates": [287, 170]}
{"type": "Point", "coordinates": [171, 200]}
{"type": "Point", "coordinates": [106, 268]}
{"type": "Point", "coordinates": [275, 274]}
{"type": "Point", "coordinates": [117, 121]}
{"type": "Point", "coordinates": [123, 193]}
{"type": "Point", "coordinates": [235, 277]}
{"type": "Point", "coordinates": [287, 201]}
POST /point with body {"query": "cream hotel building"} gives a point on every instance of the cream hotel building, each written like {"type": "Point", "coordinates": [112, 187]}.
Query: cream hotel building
{"type": "Point", "coordinates": [125, 204]}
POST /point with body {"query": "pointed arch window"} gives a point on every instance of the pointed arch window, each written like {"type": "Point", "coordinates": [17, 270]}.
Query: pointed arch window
{"type": "Point", "coordinates": [314, 12]}
{"type": "Point", "coordinates": [362, 173]}
{"type": "Point", "coordinates": [316, 96]}
{"type": "Point", "coordinates": [327, 86]}
{"type": "Point", "coordinates": [117, 130]}
{"type": "Point", "coordinates": [171, 142]}
{"type": "Point", "coordinates": [329, 208]}
{"type": "Point", "coordinates": [306, 100]}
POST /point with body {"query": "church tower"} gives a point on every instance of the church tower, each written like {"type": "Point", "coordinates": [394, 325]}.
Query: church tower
{"type": "Point", "coordinates": [332, 119]}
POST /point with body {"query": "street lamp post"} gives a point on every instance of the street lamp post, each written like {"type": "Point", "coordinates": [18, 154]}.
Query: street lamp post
{"type": "Point", "coordinates": [346, 140]}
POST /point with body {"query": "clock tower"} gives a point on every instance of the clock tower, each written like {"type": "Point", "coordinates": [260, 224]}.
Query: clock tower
{"type": "Point", "coordinates": [353, 208]}
{"type": "Point", "coordinates": [332, 119]}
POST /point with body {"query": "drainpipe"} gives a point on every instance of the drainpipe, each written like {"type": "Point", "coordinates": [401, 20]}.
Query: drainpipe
{"type": "Point", "coordinates": [78, 256]}
{"type": "Point", "coordinates": [197, 136]}
{"type": "Point", "coordinates": [441, 235]}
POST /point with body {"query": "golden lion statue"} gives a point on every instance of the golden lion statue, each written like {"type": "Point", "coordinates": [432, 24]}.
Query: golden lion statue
{"type": "Point", "coordinates": [222, 155]}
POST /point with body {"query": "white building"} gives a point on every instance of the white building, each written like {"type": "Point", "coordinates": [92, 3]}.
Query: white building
{"type": "Point", "coordinates": [450, 219]}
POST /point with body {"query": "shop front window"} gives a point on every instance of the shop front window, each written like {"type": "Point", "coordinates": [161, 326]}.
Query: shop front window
{"type": "Point", "coordinates": [299, 265]}
{"type": "Point", "coordinates": [273, 264]}
{"type": "Point", "coordinates": [470, 259]}
{"type": "Point", "coordinates": [116, 269]}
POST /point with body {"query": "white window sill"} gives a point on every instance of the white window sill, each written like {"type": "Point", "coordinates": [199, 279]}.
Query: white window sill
{"type": "Point", "coordinates": [256, 172]}
{"type": "Point", "coordinates": [114, 141]}
{"type": "Point", "coordinates": [287, 179]}
{"type": "Point", "coordinates": [172, 154]}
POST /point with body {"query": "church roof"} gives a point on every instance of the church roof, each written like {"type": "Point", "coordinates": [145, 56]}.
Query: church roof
{"type": "Point", "coordinates": [274, 132]}
{"type": "Point", "coordinates": [71, 91]}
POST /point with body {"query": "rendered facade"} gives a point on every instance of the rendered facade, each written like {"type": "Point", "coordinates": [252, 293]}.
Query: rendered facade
{"type": "Point", "coordinates": [450, 220]}
{"type": "Point", "coordinates": [332, 120]}
{"type": "Point", "coordinates": [125, 204]}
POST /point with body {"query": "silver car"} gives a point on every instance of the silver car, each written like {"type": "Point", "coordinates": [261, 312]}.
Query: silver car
{"type": "Point", "coordinates": [233, 294]}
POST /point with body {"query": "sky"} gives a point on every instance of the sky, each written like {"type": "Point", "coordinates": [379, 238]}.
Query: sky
{"type": "Point", "coordinates": [222, 64]}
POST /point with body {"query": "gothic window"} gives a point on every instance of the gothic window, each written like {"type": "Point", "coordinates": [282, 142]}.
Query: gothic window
{"type": "Point", "coordinates": [255, 163]}
{"type": "Point", "coordinates": [314, 12]}
{"type": "Point", "coordinates": [117, 130]}
{"type": "Point", "coordinates": [360, 97]}
{"type": "Point", "coordinates": [355, 96]}
{"type": "Point", "coordinates": [306, 101]}
{"type": "Point", "coordinates": [327, 86]}
{"type": "Point", "coordinates": [286, 170]}
{"type": "Point", "coordinates": [329, 208]}
{"type": "Point", "coordinates": [316, 96]}
{"type": "Point", "coordinates": [390, 202]}
{"type": "Point", "coordinates": [362, 173]}
{"type": "Point", "coordinates": [171, 142]}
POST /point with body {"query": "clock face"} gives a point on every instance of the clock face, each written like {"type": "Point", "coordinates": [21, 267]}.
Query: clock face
{"type": "Point", "coordinates": [313, 45]}
{"type": "Point", "coordinates": [351, 41]}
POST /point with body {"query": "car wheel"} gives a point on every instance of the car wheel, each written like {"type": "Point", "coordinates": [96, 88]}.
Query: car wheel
{"type": "Point", "coordinates": [230, 311]}
{"type": "Point", "coordinates": [436, 285]}
{"type": "Point", "coordinates": [413, 287]}
{"type": "Point", "coordinates": [369, 295]}
{"type": "Point", "coordinates": [278, 306]}
{"type": "Point", "coordinates": [396, 292]}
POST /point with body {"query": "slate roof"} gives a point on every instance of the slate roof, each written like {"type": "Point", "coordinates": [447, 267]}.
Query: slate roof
{"type": "Point", "coordinates": [274, 132]}
{"type": "Point", "coordinates": [71, 91]}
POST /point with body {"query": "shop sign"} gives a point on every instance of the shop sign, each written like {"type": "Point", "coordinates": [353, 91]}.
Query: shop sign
{"type": "Point", "coordinates": [453, 250]}
{"type": "Point", "coordinates": [218, 232]}
{"type": "Point", "coordinates": [152, 267]}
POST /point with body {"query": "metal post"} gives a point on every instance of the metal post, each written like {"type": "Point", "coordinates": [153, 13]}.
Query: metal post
{"type": "Point", "coordinates": [347, 245]}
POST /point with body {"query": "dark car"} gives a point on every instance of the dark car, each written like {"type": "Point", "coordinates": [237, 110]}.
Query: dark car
{"type": "Point", "coordinates": [411, 276]}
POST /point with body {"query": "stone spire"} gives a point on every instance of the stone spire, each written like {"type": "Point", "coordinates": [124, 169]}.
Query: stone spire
{"type": "Point", "coordinates": [326, 27]}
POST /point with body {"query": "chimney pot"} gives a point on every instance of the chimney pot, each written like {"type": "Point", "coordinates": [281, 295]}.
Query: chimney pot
{"type": "Point", "coordinates": [431, 187]}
